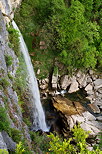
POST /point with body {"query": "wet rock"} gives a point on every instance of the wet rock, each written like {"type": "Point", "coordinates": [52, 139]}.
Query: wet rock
{"type": "Point", "coordinates": [99, 118]}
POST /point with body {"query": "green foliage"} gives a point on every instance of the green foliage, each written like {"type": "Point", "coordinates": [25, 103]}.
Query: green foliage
{"type": "Point", "coordinates": [10, 76]}
{"type": "Point", "coordinates": [40, 141]}
{"type": "Point", "coordinates": [9, 60]}
{"type": "Point", "coordinates": [57, 145]}
{"type": "Point", "coordinates": [21, 76]}
{"type": "Point", "coordinates": [27, 121]}
{"type": "Point", "coordinates": [3, 151]}
{"type": "Point", "coordinates": [88, 4]}
{"type": "Point", "coordinates": [4, 121]}
{"type": "Point", "coordinates": [14, 39]}
{"type": "Point", "coordinates": [71, 32]}
{"type": "Point", "coordinates": [4, 82]}
{"type": "Point", "coordinates": [99, 145]}
{"type": "Point", "coordinates": [16, 135]}
{"type": "Point", "coordinates": [55, 72]}
{"type": "Point", "coordinates": [20, 149]}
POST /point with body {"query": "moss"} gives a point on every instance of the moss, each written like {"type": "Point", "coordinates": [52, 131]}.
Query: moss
{"type": "Point", "coordinates": [9, 60]}
{"type": "Point", "coordinates": [4, 121]}
{"type": "Point", "coordinates": [55, 72]}
{"type": "Point", "coordinates": [10, 76]}
{"type": "Point", "coordinates": [20, 80]}
{"type": "Point", "coordinates": [4, 82]}
{"type": "Point", "coordinates": [14, 40]}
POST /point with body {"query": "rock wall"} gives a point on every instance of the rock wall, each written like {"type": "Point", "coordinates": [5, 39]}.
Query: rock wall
{"type": "Point", "coordinates": [8, 97]}
{"type": "Point", "coordinates": [8, 7]}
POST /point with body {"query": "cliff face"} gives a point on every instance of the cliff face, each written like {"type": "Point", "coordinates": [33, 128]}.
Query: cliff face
{"type": "Point", "coordinates": [8, 7]}
{"type": "Point", "coordinates": [8, 97]}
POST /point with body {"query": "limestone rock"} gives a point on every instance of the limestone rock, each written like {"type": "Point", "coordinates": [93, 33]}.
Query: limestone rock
{"type": "Point", "coordinates": [2, 143]}
{"type": "Point", "coordinates": [80, 77]}
{"type": "Point", "coordinates": [94, 108]}
{"type": "Point", "coordinates": [99, 118]}
{"type": "Point", "coordinates": [66, 106]}
{"type": "Point", "coordinates": [88, 116]}
{"type": "Point", "coordinates": [98, 84]}
{"type": "Point", "coordinates": [65, 82]}
{"type": "Point", "coordinates": [91, 72]}
{"type": "Point", "coordinates": [73, 87]}
{"type": "Point", "coordinates": [54, 81]}
{"type": "Point", "coordinates": [44, 83]}
{"type": "Point", "coordinates": [8, 7]}
{"type": "Point", "coordinates": [88, 127]}
{"type": "Point", "coordinates": [11, 145]}
{"type": "Point", "coordinates": [88, 88]}
{"type": "Point", "coordinates": [38, 72]}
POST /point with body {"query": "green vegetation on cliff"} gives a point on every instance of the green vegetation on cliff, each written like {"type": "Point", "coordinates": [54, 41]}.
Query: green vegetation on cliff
{"type": "Point", "coordinates": [69, 32]}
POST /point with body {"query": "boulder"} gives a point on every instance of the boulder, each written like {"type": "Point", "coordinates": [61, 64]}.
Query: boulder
{"type": "Point", "coordinates": [94, 108]}
{"type": "Point", "coordinates": [99, 118]}
{"type": "Point", "coordinates": [44, 83]}
{"type": "Point", "coordinates": [65, 82]}
{"type": "Point", "coordinates": [73, 113]}
{"type": "Point", "coordinates": [80, 76]}
{"type": "Point", "coordinates": [88, 127]}
{"type": "Point", "coordinates": [88, 88]}
{"type": "Point", "coordinates": [73, 87]}
{"type": "Point", "coordinates": [11, 145]}
{"type": "Point", "coordinates": [88, 116]}
{"type": "Point", "coordinates": [98, 83]}
{"type": "Point", "coordinates": [2, 143]}
{"type": "Point", "coordinates": [54, 81]}
{"type": "Point", "coordinates": [66, 106]}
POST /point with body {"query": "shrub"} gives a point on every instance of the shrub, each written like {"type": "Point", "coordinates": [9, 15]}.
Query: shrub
{"type": "Point", "coordinates": [16, 135]}
{"type": "Point", "coordinates": [40, 141]}
{"type": "Point", "coordinates": [57, 145]}
{"type": "Point", "coordinates": [9, 60]}
{"type": "Point", "coordinates": [20, 149]}
{"type": "Point", "coordinates": [14, 40]}
{"type": "Point", "coordinates": [20, 80]}
{"type": "Point", "coordinates": [4, 121]}
{"type": "Point", "coordinates": [3, 151]}
{"type": "Point", "coordinates": [4, 82]}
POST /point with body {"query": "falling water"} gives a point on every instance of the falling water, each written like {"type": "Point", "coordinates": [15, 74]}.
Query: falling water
{"type": "Point", "coordinates": [39, 116]}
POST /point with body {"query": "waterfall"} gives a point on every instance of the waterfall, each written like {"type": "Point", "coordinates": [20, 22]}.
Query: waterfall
{"type": "Point", "coordinates": [39, 116]}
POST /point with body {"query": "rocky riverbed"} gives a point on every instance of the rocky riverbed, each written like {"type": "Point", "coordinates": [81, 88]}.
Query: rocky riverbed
{"type": "Point", "coordinates": [67, 100]}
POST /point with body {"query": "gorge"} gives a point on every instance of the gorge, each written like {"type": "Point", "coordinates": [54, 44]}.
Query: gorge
{"type": "Point", "coordinates": [70, 85]}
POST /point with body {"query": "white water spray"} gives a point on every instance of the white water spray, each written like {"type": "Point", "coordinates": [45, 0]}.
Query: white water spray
{"type": "Point", "coordinates": [39, 116]}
